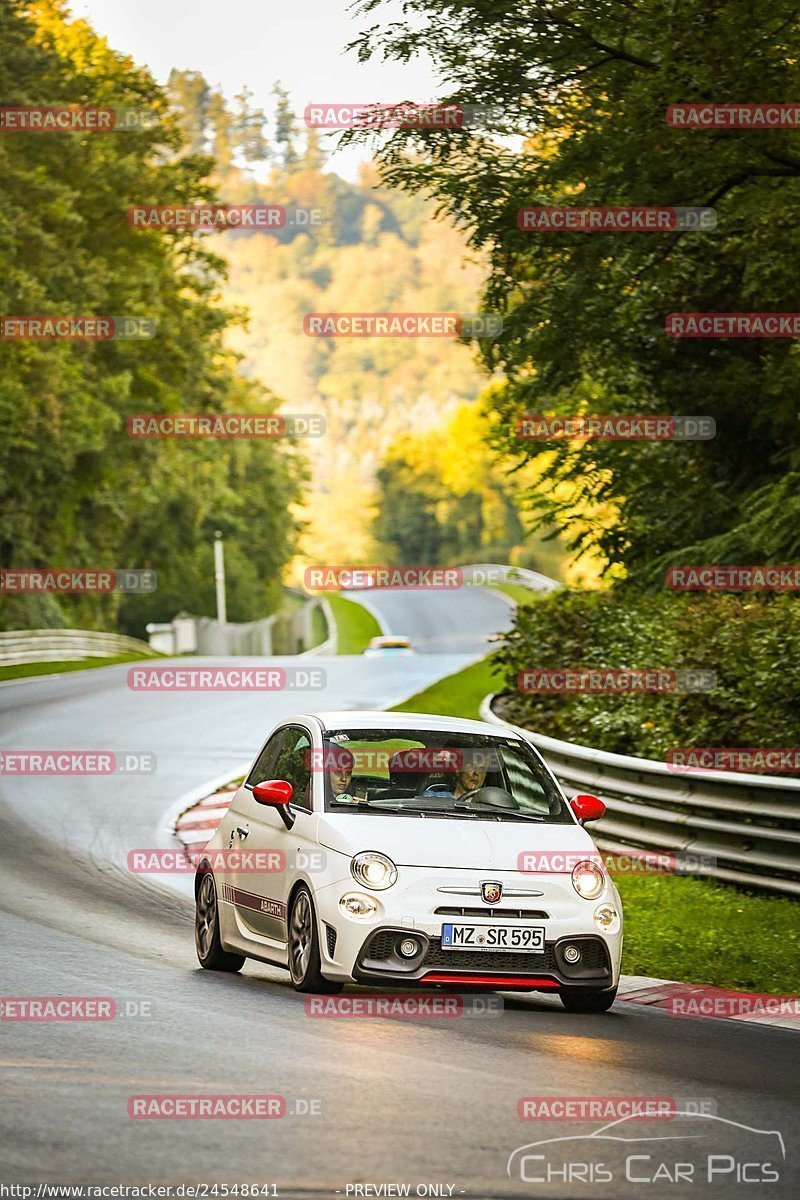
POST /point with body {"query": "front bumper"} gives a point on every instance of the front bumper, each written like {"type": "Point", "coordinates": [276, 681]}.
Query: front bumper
{"type": "Point", "coordinates": [422, 900]}
{"type": "Point", "coordinates": [379, 961]}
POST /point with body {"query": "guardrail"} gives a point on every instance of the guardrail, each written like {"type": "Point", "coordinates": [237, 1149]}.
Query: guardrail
{"type": "Point", "coordinates": [521, 575]}
{"type": "Point", "coordinates": [743, 829]}
{"type": "Point", "coordinates": [63, 645]}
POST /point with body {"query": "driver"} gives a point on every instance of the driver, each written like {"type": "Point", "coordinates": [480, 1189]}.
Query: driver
{"type": "Point", "coordinates": [472, 775]}
{"type": "Point", "coordinates": [470, 768]}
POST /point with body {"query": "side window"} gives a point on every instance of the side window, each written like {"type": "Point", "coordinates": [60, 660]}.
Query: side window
{"type": "Point", "coordinates": [294, 765]}
{"type": "Point", "coordinates": [262, 768]}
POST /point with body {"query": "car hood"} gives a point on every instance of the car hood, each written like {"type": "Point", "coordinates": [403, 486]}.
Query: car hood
{"type": "Point", "coordinates": [447, 842]}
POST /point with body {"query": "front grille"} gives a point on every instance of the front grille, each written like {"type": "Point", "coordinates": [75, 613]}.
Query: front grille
{"type": "Point", "coordinates": [381, 946]}
{"type": "Point", "coordinates": [592, 950]}
{"type": "Point", "coordinates": [486, 960]}
{"type": "Point", "coordinates": [515, 914]}
{"type": "Point", "coordinates": [330, 938]}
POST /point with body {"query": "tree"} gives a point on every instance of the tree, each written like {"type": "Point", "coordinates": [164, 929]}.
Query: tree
{"type": "Point", "coordinates": [190, 97]}
{"type": "Point", "coordinates": [442, 496]}
{"type": "Point", "coordinates": [285, 127]}
{"type": "Point", "coordinates": [587, 84]}
{"type": "Point", "coordinates": [76, 490]}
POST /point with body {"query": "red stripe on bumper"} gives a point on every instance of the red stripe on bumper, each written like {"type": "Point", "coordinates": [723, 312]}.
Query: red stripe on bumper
{"type": "Point", "coordinates": [496, 981]}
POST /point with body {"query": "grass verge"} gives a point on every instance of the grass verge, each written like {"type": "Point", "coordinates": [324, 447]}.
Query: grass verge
{"type": "Point", "coordinates": [676, 927]}
{"type": "Point", "coordinates": [355, 627]}
{"type": "Point", "coordinates": [457, 695]}
{"type": "Point", "coordinates": [518, 593]}
{"type": "Point", "coordinates": [25, 670]}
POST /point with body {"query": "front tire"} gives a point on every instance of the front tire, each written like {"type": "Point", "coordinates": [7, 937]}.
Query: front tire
{"type": "Point", "coordinates": [206, 930]}
{"type": "Point", "coordinates": [585, 1000]}
{"type": "Point", "coordinates": [304, 960]}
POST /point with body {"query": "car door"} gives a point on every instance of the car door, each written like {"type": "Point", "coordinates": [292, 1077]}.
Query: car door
{"type": "Point", "coordinates": [257, 828]}
{"type": "Point", "coordinates": [261, 895]}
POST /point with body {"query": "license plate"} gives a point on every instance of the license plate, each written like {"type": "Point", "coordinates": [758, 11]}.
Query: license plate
{"type": "Point", "coordinates": [508, 936]}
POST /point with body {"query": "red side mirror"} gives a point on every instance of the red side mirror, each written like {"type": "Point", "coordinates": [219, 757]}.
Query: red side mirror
{"type": "Point", "coordinates": [587, 808]}
{"type": "Point", "coordinates": [276, 792]}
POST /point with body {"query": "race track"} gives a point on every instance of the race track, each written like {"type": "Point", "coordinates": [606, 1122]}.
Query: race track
{"type": "Point", "coordinates": [418, 1102]}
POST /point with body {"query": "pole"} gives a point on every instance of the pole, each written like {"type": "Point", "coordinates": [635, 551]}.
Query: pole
{"type": "Point", "coordinates": [219, 577]}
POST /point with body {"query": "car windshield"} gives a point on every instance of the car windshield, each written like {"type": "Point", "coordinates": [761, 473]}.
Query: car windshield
{"type": "Point", "coordinates": [432, 773]}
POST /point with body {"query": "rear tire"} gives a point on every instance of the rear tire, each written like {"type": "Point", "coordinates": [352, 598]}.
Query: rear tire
{"type": "Point", "coordinates": [586, 1000]}
{"type": "Point", "coordinates": [304, 960]}
{"type": "Point", "coordinates": [207, 942]}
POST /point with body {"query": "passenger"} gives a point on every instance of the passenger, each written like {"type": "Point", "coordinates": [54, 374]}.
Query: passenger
{"type": "Point", "coordinates": [341, 776]}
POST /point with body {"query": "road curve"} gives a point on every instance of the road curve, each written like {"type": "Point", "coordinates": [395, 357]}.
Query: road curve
{"type": "Point", "coordinates": [417, 1102]}
{"type": "Point", "coordinates": [439, 622]}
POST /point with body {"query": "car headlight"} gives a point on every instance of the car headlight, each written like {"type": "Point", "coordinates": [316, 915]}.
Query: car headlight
{"type": "Point", "coordinates": [606, 917]}
{"type": "Point", "coordinates": [374, 870]}
{"type": "Point", "coordinates": [588, 879]}
{"type": "Point", "coordinates": [355, 904]}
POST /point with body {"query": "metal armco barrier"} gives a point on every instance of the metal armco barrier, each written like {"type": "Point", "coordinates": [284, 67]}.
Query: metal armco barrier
{"type": "Point", "coordinates": [521, 575]}
{"type": "Point", "coordinates": [63, 645]}
{"type": "Point", "coordinates": [746, 826]}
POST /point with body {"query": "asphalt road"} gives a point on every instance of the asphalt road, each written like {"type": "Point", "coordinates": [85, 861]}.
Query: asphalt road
{"type": "Point", "coordinates": [370, 1101]}
{"type": "Point", "coordinates": [458, 621]}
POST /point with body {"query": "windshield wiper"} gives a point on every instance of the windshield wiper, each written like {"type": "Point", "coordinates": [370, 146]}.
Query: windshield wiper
{"type": "Point", "coordinates": [511, 814]}
{"type": "Point", "coordinates": [463, 810]}
{"type": "Point", "coordinates": [415, 808]}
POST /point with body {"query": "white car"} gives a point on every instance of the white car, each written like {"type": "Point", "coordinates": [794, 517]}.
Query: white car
{"type": "Point", "coordinates": [389, 646]}
{"type": "Point", "coordinates": [410, 850]}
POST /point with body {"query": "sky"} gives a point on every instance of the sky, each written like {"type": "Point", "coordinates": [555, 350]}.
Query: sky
{"type": "Point", "coordinates": [255, 42]}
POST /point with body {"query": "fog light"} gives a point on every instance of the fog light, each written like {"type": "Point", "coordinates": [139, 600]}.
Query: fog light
{"type": "Point", "coordinates": [606, 918]}
{"type": "Point", "coordinates": [355, 904]}
{"type": "Point", "coordinates": [572, 954]}
{"type": "Point", "coordinates": [408, 948]}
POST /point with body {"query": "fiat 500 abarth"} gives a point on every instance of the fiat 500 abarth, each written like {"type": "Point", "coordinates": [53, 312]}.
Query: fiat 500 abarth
{"type": "Point", "coordinates": [410, 850]}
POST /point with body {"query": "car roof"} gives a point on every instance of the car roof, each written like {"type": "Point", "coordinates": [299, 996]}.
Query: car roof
{"type": "Point", "coordinates": [390, 639]}
{"type": "Point", "coordinates": [379, 719]}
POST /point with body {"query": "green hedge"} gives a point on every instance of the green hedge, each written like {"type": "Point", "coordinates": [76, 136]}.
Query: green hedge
{"type": "Point", "coordinates": [751, 642]}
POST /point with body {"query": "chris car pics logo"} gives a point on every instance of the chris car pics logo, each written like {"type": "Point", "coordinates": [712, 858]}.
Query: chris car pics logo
{"type": "Point", "coordinates": [693, 1147]}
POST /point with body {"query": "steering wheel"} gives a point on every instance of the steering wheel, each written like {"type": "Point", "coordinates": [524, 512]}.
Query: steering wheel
{"type": "Point", "coordinates": [492, 797]}
{"type": "Point", "coordinates": [467, 795]}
